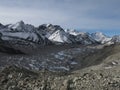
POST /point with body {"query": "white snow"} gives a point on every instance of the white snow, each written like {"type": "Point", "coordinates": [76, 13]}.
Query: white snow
{"type": "Point", "coordinates": [73, 63]}
{"type": "Point", "coordinates": [61, 68]}
{"type": "Point", "coordinates": [100, 37]}
{"type": "Point", "coordinates": [114, 63]}
{"type": "Point", "coordinates": [22, 35]}
{"type": "Point", "coordinates": [33, 67]}
{"type": "Point", "coordinates": [72, 32]}
{"type": "Point", "coordinates": [61, 53]}
{"type": "Point", "coordinates": [59, 36]}
{"type": "Point", "coordinates": [21, 26]}
{"type": "Point", "coordinates": [59, 57]}
{"type": "Point", "coordinates": [75, 32]}
{"type": "Point", "coordinates": [108, 67]}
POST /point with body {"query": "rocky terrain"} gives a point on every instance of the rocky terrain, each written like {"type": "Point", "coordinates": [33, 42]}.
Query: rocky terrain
{"type": "Point", "coordinates": [98, 70]}
{"type": "Point", "coordinates": [51, 58]}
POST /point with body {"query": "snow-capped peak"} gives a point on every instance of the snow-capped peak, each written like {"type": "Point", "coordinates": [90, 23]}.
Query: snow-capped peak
{"type": "Point", "coordinates": [75, 32]}
{"type": "Point", "coordinates": [60, 36]}
{"type": "Point", "coordinates": [51, 32]}
{"type": "Point", "coordinates": [22, 27]}
{"type": "Point", "coordinates": [100, 37]}
{"type": "Point", "coordinates": [48, 29]}
{"type": "Point", "coordinates": [116, 38]}
{"type": "Point", "coordinates": [72, 32]}
{"type": "Point", "coordinates": [18, 24]}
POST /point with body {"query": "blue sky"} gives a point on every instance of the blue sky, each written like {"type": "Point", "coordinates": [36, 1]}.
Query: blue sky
{"type": "Point", "coordinates": [85, 15]}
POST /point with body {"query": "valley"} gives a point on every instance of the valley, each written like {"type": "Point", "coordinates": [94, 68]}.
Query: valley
{"type": "Point", "coordinates": [49, 57]}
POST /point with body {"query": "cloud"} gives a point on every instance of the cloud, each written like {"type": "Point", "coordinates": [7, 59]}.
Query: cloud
{"type": "Point", "coordinates": [83, 14]}
{"type": "Point", "coordinates": [33, 16]}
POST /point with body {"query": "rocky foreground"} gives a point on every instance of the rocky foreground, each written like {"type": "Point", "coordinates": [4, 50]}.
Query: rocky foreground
{"type": "Point", "coordinates": [14, 78]}
{"type": "Point", "coordinates": [96, 70]}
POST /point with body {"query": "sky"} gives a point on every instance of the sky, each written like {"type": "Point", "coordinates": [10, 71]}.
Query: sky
{"type": "Point", "coordinates": [83, 15]}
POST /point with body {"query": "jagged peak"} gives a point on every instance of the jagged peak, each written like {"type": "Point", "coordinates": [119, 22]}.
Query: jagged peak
{"type": "Point", "coordinates": [51, 31]}
{"type": "Point", "coordinates": [100, 35]}
{"type": "Point", "coordinates": [1, 24]}
{"type": "Point", "coordinates": [17, 24]}
{"type": "Point", "coordinates": [47, 25]}
{"type": "Point", "coordinates": [21, 22]}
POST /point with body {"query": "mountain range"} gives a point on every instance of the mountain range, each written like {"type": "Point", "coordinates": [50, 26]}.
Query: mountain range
{"type": "Point", "coordinates": [47, 34]}
{"type": "Point", "coordinates": [49, 57]}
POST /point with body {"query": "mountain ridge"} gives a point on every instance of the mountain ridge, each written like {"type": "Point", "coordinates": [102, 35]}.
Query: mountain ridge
{"type": "Point", "coordinates": [46, 34]}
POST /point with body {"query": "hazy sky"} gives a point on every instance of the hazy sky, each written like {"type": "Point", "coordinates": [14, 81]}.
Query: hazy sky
{"type": "Point", "coordinates": [79, 14]}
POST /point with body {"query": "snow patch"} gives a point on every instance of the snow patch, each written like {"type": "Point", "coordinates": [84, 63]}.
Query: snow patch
{"type": "Point", "coordinates": [73, 63]}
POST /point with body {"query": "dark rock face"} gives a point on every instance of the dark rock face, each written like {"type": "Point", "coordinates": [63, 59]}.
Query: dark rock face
{"type": "Point", "coordinates": [0, 37]}
{"type": "Point", "coordinates": [9, 50]}
{"type": "Point", "coordinates": [6, 48]}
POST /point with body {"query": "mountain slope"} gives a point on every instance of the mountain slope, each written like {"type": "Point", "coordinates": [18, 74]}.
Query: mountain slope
{"type": "Point", "coordinates": [60, 36]}
{"type": "Point", "coordinates": [116, 39]}
{"type": "Point", "coordinates": [47, 34]}
{"type": "Point", "coordinates": [22, 27]}
{"type": "Point", "coordinates": [100, 37]}
{"type": "Point", "coordinates": [84, 38]}
{"type": "Point", "coordinates": [21, 31]}
{"type": "Point", "coordinates": [56, 34]}
{"type": "Point", "coordinates": [6, 48]}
